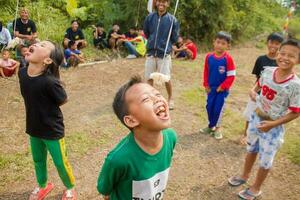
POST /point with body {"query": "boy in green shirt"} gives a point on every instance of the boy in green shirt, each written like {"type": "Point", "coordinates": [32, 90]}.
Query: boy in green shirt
{"type": "Point", "coordinates": [138, 167]}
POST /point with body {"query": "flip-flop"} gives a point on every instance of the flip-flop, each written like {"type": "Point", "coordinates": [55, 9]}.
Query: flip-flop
{"type": "Point", "coordinates": [236, 181]}
{"type": "Point", "coordinates": [41, 193]}
{"type": "Point", "coordinates": [246, 194]}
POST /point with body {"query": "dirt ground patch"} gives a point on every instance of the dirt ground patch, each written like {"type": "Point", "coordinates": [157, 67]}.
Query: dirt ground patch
{"type": "Point", "coordinates": [201, 164]}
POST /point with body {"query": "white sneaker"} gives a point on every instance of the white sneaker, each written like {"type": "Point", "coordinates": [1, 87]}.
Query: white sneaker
{"type": "Point", "coordinates": [131, 56]}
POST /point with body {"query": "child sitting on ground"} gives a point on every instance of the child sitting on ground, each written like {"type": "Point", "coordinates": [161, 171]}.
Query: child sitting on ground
{"type": "Point", "coordinates": [219, 74]}
{"type": "Point", "coordinates": [8, 66]}
{"type": "Point", "coordinates": [273, 43]}
{"type": "Point", "coordinates": [278, 103]}
{"type": "Point", "coordinates": [136, 46]}
{"type": "Point", "coordinates": [177, 52]}
{"type": "Point", "coordinates": [99, 36]}
{"type": "Point", "coordinates": [188, 50]}
{"type": "Point", "coordinates": [73, 56]}
{"type": "Point", "coordinates": [138, 167]}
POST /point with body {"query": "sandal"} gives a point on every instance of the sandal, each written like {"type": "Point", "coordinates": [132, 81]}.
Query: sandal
{"type": "Point", "coordinates": [246, 194]}
{"type": "Point", "coordinates": [41, 193]}
{"type": "Point", "coordinates": [236, 181]}
{"type": "Point", "coordinates": [69, 195]}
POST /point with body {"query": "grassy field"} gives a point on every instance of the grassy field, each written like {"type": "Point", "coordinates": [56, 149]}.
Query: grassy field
{"type": "Point", "coordinates": [92, 130]}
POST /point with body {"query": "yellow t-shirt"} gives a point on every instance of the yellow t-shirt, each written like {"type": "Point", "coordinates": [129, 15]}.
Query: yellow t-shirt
{"type": "Point", "coordinates": [140, 45]}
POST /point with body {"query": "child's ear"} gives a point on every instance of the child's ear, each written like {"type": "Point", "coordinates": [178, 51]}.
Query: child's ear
{"type": "Point", "coordinates": [131, 121]}
{"type": "Point", "coordinates": [48, 61]}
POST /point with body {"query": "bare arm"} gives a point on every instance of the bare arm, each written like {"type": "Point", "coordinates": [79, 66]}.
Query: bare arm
{"type": "Point", "coordinates": [1, 72]}
{"type": "Point", "coordinates": [19, 35]}
{"type": "Point", "coordinates": [265, 126]}
{"type": "Point", "coordinates": [253, 92]}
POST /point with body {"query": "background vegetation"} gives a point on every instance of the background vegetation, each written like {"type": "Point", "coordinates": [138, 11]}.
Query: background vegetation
{"type": "Point", "coordinates": [199, 19]}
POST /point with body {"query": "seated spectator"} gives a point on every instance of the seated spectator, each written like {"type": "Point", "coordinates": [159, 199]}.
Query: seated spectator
{"type": "Point", "coordinates": [8, 66]}
{"type": "Point", "coordinates": [5, 36]}
{"type": "Point", "coordinates": [99, 36]}
{"type": "Point", "coordinates": [25, 29]}
{"type": "Point", "coordinates": [191, 49]}
{"type": "Point", "coordinates": [114, 38]}
{"type": "Point", "coordinates": [75, 34]}
{"type": "Point", "coordinates": [73, 56]}
{"type": "Point", "coordinates": [177, 51]}
{"type": "Point", "coordinates": [23, 62]}
{"type": "Point", "coordinates": [187, 50]}
{"type": "Point", "coordinates": [136, 46]}
{"type": "Point", "coordinates": [132, 33]}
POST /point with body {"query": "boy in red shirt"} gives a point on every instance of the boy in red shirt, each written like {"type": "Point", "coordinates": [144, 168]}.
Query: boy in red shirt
{"type": "Point", "coordinates": [219, 74]}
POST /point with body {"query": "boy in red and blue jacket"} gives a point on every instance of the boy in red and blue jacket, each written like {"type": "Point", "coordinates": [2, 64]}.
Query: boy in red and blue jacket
{"type": "Point", "coordinates": [218, 76]}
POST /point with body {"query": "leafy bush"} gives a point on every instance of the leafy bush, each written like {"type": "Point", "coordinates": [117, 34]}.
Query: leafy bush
{"type": "Point", "coordinates": [200, 19]}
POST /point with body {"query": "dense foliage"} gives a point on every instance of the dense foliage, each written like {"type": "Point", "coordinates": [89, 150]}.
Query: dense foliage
{"type": "Point", "coordinates": [200, 19]}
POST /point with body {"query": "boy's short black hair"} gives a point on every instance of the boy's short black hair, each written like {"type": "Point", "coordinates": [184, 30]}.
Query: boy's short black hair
{"type": "Point", "coordinates": [119, 105]}
{"type": "Point", "coordinates": [71, 43]}
{"type": "Point", "coordinates": [133, 28]}
{"type": "Point", "coordinates": [224, 35]}
{"type": "Point", "coordinates": [75, 20]}
{"type": "Point", "coordinates": [275, 37]}
{"type": "Point", "coordinates": [291, 42]}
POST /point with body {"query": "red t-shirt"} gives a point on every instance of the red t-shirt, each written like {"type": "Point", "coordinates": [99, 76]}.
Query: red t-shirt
{"type": "Point", "coordinates": [193, 48]}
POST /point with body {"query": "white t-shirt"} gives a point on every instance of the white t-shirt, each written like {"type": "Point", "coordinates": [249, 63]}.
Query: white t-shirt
{"type": "Point", "coordinates": [5, 37]}
{"type": "Point", "coordinates": [276, 98]}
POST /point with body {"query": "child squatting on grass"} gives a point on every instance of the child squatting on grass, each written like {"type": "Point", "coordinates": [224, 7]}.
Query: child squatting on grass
{"type": "Point", "coordinates": [43, 94]}
{"type": "Point", "coordinates": [278, 103]}
{"type": "Point", "coordinates": [218, 77]}
{"type": "Point", "coordinates": [138, 167]}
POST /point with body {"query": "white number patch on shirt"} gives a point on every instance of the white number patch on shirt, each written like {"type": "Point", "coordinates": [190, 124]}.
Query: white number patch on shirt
{"type": "Point", "coordinates": [150, 189]}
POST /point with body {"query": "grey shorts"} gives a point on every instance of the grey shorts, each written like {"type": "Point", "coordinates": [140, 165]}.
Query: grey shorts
{"type": "Point", "coordinates": [160, 65]}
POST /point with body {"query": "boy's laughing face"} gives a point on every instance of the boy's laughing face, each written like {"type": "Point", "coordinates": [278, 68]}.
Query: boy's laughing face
{"type": "Point", "coordinates": [288, 56]}
{"type": "Point", "coordinates": [147, 108]}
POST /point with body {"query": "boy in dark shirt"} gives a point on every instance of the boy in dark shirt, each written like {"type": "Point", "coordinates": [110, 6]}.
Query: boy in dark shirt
{"type": "Point", "coordinates": [274, 41]}
{"type": "Point", "coordinates": [99, 36]}
{"type": "Point", "coordinates": [131, 33]}
{"type": "Point", "coordinates": [25, 28]}
{"type": "Point", "coordinates": [74, 33]}
{"type": "Point", "coordinates": [115, 37]}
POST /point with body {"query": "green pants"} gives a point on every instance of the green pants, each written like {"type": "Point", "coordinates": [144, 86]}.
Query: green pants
{"type": "Point", "coordinates": [57, 151]}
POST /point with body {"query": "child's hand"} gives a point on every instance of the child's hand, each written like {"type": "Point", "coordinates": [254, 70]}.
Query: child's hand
{"type": "Point", "coordinates": [219, 89]}
{"type": "Point", "coordinates": [253, 95]}
{"type": "Point", "coordinates": [266, 126]}
{"type": "Point", "coordinates": [207, 90]}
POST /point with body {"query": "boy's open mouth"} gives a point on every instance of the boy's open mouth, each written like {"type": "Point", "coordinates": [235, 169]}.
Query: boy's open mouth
{"type": "Point", "coordinates": [162, 112]}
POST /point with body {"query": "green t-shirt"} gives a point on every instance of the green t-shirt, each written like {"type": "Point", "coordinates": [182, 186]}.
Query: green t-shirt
{"type": "Point", "coordinates": [129, 173]}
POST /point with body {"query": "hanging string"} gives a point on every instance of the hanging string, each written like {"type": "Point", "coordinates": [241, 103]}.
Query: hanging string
{"type": "Point", "coordinates": [138, 14]}
{"type": "Point", "coordinates": [288, 18]}
{"type": "Point", "coordinates": [15, 22]}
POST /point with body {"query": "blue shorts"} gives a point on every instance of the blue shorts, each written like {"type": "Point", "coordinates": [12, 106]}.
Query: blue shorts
{"type": "Point", "coordinates": [266, 144]}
